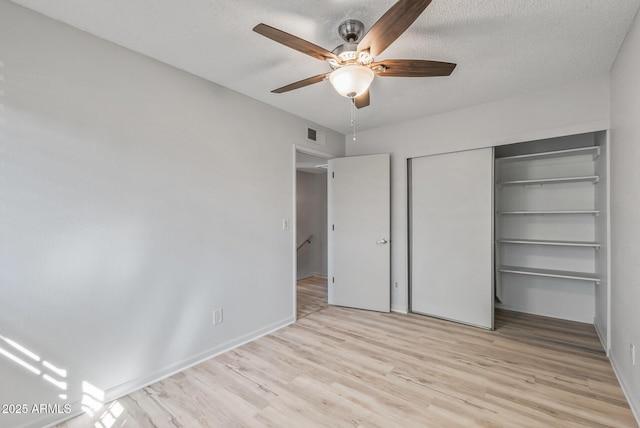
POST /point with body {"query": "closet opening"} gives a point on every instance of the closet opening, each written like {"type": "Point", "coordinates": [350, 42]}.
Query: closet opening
{"type": "Point", "coordinates": [551, 230]}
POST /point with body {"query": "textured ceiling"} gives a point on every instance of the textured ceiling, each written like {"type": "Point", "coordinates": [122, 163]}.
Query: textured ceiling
{"type": "Point", "coordinates": [502, 47]}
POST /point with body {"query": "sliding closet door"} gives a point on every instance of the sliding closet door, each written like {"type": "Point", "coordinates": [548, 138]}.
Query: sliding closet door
{"type": "Point", "coordinates": [451, 236]}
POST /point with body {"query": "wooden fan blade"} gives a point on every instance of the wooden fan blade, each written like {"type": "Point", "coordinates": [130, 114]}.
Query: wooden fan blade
{"type": "Point", "coordinates": [302, 83]}
{"type": "Point", "coordinates": [363, 100]}
{"type": "Point", "coordinates": [412, 68]}
{"type": "Point", "coordinates": [391, 25]}
{"type": "Point", "coordinates": [295, 42]}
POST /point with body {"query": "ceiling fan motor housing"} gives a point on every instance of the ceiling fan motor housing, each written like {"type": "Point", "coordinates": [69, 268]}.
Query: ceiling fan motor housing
{"type": "Point", "coordinates": [351, 30]}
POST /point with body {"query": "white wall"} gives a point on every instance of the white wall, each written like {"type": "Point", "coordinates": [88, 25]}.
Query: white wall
{"type": "Point", "coordinates": [625, 214]}
{"type": "Point", "coordinates": [134, 199]}
{"type": "Point", "coordinates": [571, 109]}
{"type": "Point", "coordinates": [311, 191]}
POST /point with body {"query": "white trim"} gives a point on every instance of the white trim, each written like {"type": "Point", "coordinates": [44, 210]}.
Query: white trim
{"type": "Point", "coordinates": [634, 402]}
{"type": "Point", "coordinates": [608, 235]}
{"type": "Point", "coordinates": [309, 151]}
{"type": "Point", "coordinates": [313, 152]}
{"type": "Point", "coordinates": [330, 271]}
{"type": "Point", "coordinates": [399, 309]}
{"type": "Point", "coordinates": [492, 246]}
{"type": "Point", "coordinates": [294, 235]}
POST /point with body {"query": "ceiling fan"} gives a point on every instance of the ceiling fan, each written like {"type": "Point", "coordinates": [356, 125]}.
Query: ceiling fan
{"type": "Point", "coordinates": [353, 63]}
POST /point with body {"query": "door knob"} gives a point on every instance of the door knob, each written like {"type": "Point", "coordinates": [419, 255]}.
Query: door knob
{"type": "Point", "coordinates": [382, 241]}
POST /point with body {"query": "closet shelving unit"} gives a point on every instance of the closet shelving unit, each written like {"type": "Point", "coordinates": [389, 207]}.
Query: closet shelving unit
{"type": "Point", "coordinates": [502, 242]}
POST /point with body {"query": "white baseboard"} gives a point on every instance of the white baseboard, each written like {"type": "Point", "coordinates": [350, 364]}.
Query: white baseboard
{"type": "Point", "coordinates": [632, 399]}
{"type": "Point", "coordinates": [136, 384]}
{"type": "Point", "coordinates": [133, 385]}
{"type": "Point", "coordinates": [399, 309]}
{"type": "Point", "coordinates": [310, 274]}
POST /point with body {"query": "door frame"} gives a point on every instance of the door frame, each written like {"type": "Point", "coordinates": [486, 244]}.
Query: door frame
{"type": "Point", "coordinates": [294, 224]}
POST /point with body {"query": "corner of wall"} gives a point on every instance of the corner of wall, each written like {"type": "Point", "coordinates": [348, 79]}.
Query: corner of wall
{"type": "Point", "coordinates": [601, 331]}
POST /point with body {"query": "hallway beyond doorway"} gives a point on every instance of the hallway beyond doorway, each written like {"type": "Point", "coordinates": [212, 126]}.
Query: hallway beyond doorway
{"type": "Point", "coordinates": [312, 295]}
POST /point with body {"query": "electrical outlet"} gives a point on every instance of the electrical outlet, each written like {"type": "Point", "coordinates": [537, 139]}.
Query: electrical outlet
{"type": "Point", "coordinates": [632, 349]}
{"type": "Point", "coordinates": [217, 316]}
{"type": "Point", "coordinates": [395, 284]}
{"type": "Point", "coordinates": [285, 224]}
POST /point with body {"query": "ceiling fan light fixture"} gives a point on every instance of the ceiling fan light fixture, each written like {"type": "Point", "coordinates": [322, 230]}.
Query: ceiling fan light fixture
{"type": "Point", "coordinates": [351, 80]}
{"type": "Point", "coordinates": [353, 61]}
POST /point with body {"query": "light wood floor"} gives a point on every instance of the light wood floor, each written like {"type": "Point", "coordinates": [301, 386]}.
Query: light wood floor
{"type": "Point", "coordinates": [339, 367]}
{"type": "Point", "coordinates": [312, 295]}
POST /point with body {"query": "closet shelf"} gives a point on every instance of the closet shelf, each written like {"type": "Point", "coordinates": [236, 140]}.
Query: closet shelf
{"type": "Point", "coordinates": [589, 178]}
{"type": "Point", "coordinates": [593, 151]}
{"type": "Point", "coordinates": [592, 212]}
{"type": "Point", "coordinates": [595, 245]}
{"type": "Point", "coordinates": [581, 276]}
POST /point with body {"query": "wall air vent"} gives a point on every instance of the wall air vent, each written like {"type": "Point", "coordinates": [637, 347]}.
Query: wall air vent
{"type": "Point", "coordinates": [314, 136]}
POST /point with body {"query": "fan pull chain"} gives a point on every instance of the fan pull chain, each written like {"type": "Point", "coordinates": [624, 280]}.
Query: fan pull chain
{"type": "Point", "coordinates": [353, 117]}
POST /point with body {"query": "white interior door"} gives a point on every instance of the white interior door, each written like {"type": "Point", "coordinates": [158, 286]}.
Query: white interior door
{"type": "Point", "coordinates": [359, 232]}
{"type": "Point", "coordinates": [452, 236]}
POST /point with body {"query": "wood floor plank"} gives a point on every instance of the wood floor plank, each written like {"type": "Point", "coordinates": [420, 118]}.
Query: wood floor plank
{"type": "Point", "coordinates": [311, 295]}
{"type": "Point", "coordinates": [340, 367]}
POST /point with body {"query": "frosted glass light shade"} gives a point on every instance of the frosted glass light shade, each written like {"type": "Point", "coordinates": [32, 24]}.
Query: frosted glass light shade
{"type": "Point", "coordinates": [351, 80]}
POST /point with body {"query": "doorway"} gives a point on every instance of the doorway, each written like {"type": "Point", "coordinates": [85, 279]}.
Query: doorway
{"type": "Point", "coordinates": [311, 232]}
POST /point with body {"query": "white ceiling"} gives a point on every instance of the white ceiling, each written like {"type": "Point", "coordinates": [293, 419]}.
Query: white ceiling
{"type": "Point", "coordinates": [502, 47]}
